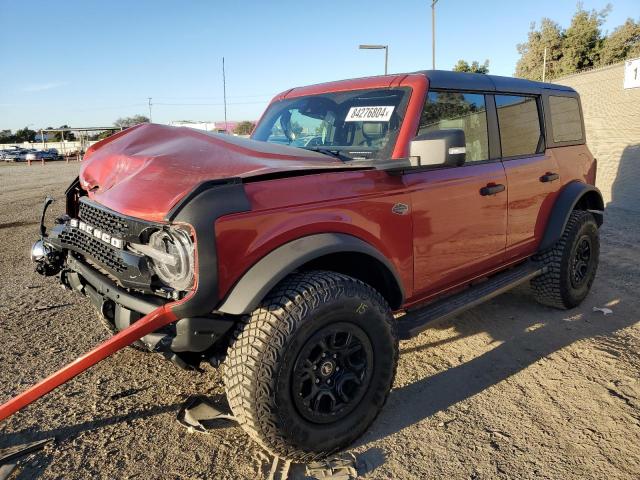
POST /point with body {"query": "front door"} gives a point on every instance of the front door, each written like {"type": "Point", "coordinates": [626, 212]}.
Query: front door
{"type": "Point", "coordinates": [459, 224]}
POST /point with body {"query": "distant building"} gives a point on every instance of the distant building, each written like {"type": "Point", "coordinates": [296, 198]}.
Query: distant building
{"type": "Point", "coordinates": [218, 127]}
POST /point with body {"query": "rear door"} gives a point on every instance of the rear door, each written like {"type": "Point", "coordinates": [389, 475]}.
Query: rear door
{"type": "Point", "coordinates": [533, 175]}
{"type": "Point", "coordinates": [459, 229]}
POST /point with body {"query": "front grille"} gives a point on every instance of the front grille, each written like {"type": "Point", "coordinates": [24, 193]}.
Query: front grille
{"type": "Point", "coordinates": [108, 222]}
{"type": "Point", "coordinates": [94, 248]}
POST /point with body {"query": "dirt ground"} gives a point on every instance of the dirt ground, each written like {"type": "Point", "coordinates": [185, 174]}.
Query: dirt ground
{"type": "Point", "coordinates": [510, 389]}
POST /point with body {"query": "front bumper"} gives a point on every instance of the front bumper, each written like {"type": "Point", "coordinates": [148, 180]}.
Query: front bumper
{"type": "Point", "coordinates": [121, 308]}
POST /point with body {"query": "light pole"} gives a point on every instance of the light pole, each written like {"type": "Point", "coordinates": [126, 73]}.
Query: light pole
{"type": "Point", "coordinates": [224, 94]}
{"type": "Point", "coordinates": [379, 47]}
{"type": "Point", "coordinates": [149, 99]}
{"type": "Point", "coordinates": [433, 33]}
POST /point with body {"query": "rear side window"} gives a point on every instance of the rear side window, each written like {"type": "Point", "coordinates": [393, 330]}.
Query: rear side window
{"type": "Point", "coordinates": [565, 119]}
{"type": "Point", "coordinates": [464, 111]}
{"type": "Point", "coordinates": [519, 122]}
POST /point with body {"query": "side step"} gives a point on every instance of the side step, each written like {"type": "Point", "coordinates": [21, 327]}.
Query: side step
{"type": "Point", "coordinates": [416, 321]}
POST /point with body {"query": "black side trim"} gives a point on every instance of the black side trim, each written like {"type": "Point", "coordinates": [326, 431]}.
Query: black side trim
{"type": "Point", "coordinates": [418, 320]}
{"type": "Point", "coordinates": [72, 195]}
{"type": "Point", "coordinates": [197, 190]}
{"type": "Point", "coordinates": [200, 209]}
{"type": "Point", "coordinates": [271, 269]}
{"type": "Point", "coordinates": [569, 197]}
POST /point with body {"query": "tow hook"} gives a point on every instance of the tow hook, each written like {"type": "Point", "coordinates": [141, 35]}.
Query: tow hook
{"type": "Point", "coordinates": [47, 259]}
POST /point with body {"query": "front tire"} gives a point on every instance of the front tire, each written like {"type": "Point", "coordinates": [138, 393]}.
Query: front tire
{"type": "Point", "coordinates": [310, 369]}
{"type": "Point", "coordinates": [571, 264]}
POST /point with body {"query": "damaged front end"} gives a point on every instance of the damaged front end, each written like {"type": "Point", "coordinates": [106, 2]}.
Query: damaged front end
{"type": "Point", "coordinates": [129, 267]}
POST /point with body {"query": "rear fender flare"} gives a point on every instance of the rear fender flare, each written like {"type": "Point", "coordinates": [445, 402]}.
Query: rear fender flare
{"type": "Point", "coordinates": [575, 194]}
{"type": "Point", "coordinates": [262, 277]}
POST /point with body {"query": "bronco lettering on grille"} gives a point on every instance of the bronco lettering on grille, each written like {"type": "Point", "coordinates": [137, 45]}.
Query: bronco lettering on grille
{"type": "Point", "coordinates": [96, 232]}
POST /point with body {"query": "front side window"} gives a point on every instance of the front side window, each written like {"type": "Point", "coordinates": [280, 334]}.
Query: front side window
{"type": "Point", "coordinates": [565, 119]}
{"type": "Point", "coordinates": [519, 123]}
{"type": "Point", "coordinates": [457, 110]}
{"type": "Point", "coordinates": [355, 125]}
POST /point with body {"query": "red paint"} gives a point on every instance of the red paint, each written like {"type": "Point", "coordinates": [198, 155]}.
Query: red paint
{"type": "Point", "coordinates": [355, 203]}
{"type": "Point", "coordinates": [457, 233]}
{"type": "Point", "coordinates": [530, 201]}
{"type": "Point", "coordinates": [147, 324]}
{"type": "Point", "coordinates": [145, 170]}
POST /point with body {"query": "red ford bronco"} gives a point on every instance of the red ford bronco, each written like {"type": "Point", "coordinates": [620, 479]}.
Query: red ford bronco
{"type": "Point", "coordinates": [358, 213]}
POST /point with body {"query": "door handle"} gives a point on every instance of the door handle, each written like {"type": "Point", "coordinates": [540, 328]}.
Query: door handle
{"type": "Point", "coordinates": [549, 177]}
{"type": "Point", "coordinates": [492, 189]}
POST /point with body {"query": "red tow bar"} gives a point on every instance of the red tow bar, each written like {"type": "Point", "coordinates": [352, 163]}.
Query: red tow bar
{"type": "Point", "coordinates": [147, 324]}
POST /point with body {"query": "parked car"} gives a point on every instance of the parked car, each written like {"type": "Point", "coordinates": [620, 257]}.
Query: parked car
{"type": "Point", "coordinates": [38, 155]}
{"type": "Point", "coordinates": [53, 153]}
{"type": "Point", "coordinates": [17, 155]}
{"type": "Point", "coordinates": [300, 269]}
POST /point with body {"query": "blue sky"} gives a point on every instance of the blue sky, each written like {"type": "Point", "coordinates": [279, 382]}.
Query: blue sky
{"type": "Point", "coordinates": [85, 63]}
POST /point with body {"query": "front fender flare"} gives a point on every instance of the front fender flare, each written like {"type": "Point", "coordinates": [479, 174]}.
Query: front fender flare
{"type": "Point", "coordinates": [566, 202]}
{"type": "Point", "coordinates": [262, 277]}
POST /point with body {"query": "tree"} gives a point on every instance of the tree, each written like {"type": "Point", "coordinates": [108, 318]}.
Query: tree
{"type": "Point", "coordinates": [475, 67]}
{"type": "Point", "coordinates": [25, 135]}
{"type": "Point", "coordinates": [583, 40]}
{"type": "Point", "coordinates": [7, 137]}
{"type": "Point", "coordinates": [530, 65]}
{"type": "Point", "coordinates": [102, 135]}
{"type": "Point", "coordinates": [57, 136]}
{"type": "Point", "coordinates": [244, 128]}
{"type": "Point", "coordinates": [623, 43]}
{"type": "Point", "coordinates": [127, 122]}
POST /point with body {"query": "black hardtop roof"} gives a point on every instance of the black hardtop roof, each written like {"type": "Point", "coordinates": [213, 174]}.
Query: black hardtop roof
{"type": "Point", "coordinates": [443, 79]}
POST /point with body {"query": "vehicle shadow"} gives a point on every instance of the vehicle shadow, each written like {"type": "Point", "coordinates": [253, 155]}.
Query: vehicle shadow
{"type": "Point", "coordinates": [521, 340]}
{"type": "Point", "coordinates": [65, 432]}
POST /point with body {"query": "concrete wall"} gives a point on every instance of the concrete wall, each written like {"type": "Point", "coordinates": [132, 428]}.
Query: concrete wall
{"type": "Point", "coordinates": [612, 121]}
{"type": "Point", "coordinates": [67, 147]}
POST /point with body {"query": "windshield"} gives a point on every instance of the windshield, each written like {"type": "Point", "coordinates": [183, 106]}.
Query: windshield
{"type": "Point", "coordinates": [355, 125]}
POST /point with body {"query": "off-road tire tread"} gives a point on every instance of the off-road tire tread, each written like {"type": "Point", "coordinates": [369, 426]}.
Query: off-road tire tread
{"type": "Point", "coordinates": [258, 343]}
{"type": "Point", "coordinates": [547, 288]}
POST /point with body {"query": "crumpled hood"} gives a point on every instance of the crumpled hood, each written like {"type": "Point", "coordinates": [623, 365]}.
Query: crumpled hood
{"type": "Point", "coordinates": [145, 170]}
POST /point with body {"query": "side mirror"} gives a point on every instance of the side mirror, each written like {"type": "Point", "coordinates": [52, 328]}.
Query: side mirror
{"type": "Point", "coordinates": [439, 147]}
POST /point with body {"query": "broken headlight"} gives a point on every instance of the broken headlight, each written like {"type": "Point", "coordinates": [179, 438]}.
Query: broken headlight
{"type": "Point", "coordinates": [170, 254]}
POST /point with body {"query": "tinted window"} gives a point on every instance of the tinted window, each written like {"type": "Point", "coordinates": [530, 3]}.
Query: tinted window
{"type": "Point", "coordinates": [519, 125]}
{"type": "Point", "coordinates": [565, 119]}
{"type": "Point", "coordinates": [465, 111]}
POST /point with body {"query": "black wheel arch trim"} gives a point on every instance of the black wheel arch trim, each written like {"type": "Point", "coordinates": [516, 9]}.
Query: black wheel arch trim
{"type": "Point", "coordinates": [265, 274]}
{"type": "Point", "coordinates": [566, 202]}
{"type": "Point", "coordinates": [200, 208]}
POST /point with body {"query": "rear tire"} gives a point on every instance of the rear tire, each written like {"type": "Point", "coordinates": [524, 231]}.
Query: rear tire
{"type": "Point", "coordinates": [309, 370]}
{"type": "Point", "coordinates": [571, 264]}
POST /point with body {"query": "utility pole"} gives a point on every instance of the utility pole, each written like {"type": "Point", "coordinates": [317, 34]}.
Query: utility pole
{"type": "Point", "coordinates": [544, 65]}
{"type": "Point", "coordinates": [433, 33]}
{"type": "Point", "coordinates": [224, 95]}
{"type": "Point", "coordinates": [149, 99]}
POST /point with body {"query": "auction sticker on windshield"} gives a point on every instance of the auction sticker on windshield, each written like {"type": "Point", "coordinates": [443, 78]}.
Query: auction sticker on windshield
{"type": "Point", "coordinates": [369, 114]}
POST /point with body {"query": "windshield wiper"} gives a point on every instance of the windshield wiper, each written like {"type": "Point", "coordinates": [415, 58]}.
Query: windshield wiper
{"type": "Point", "coordinates": [333, 151]}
